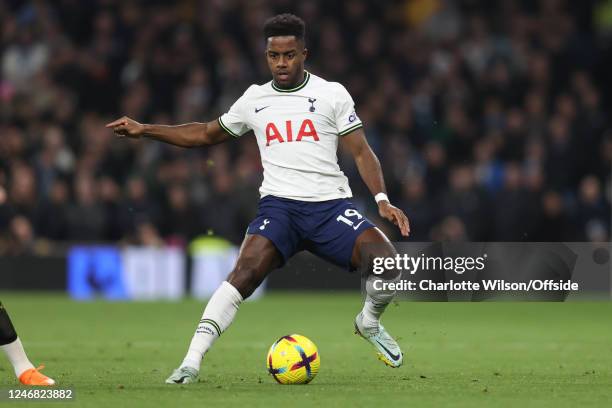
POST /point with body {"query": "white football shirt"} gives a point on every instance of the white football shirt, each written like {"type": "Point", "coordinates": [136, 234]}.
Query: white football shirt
{"type": "Point", "coordinates": [297, 132]}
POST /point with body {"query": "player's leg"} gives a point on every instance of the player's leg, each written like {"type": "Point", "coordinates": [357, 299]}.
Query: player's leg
{"type": "Point", "coordinates": [256, 259]}
{"type": "Point", "coordinates": [370, 244]}
{"type": "Point", "coordinates": [12, 347]}
{"type": "Point", "coordinates": [346, 238]}
{"type": "Point", "coordinates": [258, 256]}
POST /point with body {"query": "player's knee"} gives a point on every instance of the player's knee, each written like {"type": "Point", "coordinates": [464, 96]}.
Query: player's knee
{"type": "Point", "coordinates": [245, 278]}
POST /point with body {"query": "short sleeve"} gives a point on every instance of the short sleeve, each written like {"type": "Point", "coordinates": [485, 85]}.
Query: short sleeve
{"type": "Point", "coordinates": [234, 121]}
{"type": "Point", "coordinates": [346, 117]}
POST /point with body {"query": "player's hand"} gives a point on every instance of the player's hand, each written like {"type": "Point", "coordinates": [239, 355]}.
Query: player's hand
{"type": "Point", "coordinates": [126, 127]}
{"type": "Point", "coordinates": [395, 215]}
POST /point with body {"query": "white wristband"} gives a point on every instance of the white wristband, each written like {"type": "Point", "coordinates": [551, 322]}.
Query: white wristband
{"type": "Point", "coordinates": [381, 197]}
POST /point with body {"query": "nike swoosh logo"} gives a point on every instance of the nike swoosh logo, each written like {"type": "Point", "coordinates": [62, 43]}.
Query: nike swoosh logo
{"type": "Point", "coordinates": [357, 226]}
{"type": "Point", "coordinates": [180, 380]}
{"type": "Point", "coordinates": [260, 109]}
{"type": "Point", "coordinates": [394, 357]}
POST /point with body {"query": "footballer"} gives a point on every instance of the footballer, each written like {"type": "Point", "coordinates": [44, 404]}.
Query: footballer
{"type": "Point", "coordinates": [298, 120]}
{"type": "Point", "coordinates": [12, 347]}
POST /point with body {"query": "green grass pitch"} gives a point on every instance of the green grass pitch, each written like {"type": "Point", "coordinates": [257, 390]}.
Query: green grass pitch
{"type": "Point", "coordinates": [456, 354]}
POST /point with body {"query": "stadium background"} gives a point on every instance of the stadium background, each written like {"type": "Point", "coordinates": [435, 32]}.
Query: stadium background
{"type": "Point", "coordinates": [490, 118]}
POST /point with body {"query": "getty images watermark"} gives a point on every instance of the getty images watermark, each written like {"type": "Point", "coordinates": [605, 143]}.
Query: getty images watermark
{"type": "Point", "coordinates": [458, 265]}
{"type": "Point", "coordinates": [413, 264]}
{"type": "Point", "coordinates": [487, 271]}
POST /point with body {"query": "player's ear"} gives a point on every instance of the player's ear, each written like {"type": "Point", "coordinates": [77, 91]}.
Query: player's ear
{"type": "Point", "coordinates": [305, 52]}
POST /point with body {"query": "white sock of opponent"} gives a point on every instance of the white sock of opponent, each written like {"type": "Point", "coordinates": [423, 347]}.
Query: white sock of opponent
{"type": "Point", "coordinates": [17, 356]}
{"type": "Point", "coordinates": [218, 315]}
{"type": "Point", "coordinates": [376, 302]}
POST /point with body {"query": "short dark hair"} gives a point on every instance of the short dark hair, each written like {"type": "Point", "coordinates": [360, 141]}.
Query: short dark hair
{"type": "Point", "coordinates": [285, 24]}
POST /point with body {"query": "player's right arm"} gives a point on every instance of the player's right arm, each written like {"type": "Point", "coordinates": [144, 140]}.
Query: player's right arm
{"type": "Point", "coordinates": [186, 135]}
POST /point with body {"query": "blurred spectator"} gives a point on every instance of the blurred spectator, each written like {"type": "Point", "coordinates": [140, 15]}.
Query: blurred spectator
{"type": "Point", "coordinates": [85, 217]}
{"type": "Point", "coordinates": [561, 157]}
{"type": "Point", "coordinates": [180, 217]}
{"type": "Point", "coordinates": [20, 239]}
{"type": "Point", "coordinates": [22, 190]}
{"type": "Point", "coordinates": [509, 206]}
{"type": "Point", "coordinates": [137, 207]}
{"type": "Point", "coordinates": [54, 160]}
{"type": "Point", "coordinates": [553, 223]}
{"type": "Point", "coordinates": [146, 234]}
{"type": "Point", "coordinates": [592, 209]}
{"type": "Point", "coordinates": [110, 197]}
{"type": "Point", "coordinates": [436, 169]}
{"type": "Point", "coordinates": [450, 229]}
{"type": "Point", "coordinates": [24, 58]}
{"type": "Point", "coordinates": [467, 202]}
{"type": "Point", "coordinates": [219, 213]}
{"type": "Point", "coordinates": [416, 203]}
{"type": "Point", "coordinates": [52, 221]}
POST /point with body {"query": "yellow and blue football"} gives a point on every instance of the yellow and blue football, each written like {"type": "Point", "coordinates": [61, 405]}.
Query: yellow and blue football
{"type": "Point", "coordinates": [293, 359]}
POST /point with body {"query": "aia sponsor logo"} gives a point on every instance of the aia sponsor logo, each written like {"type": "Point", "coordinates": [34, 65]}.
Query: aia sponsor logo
{"type": "Point", "coordinates": [306, 129]}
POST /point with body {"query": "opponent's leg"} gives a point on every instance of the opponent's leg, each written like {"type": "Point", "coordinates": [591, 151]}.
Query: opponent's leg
{"type": "Point", "coordinates": [12, 347]}
{"type": "Point", "coordinates": [257, 257]}
{"type": "Point", "coordinates": [370, 244]}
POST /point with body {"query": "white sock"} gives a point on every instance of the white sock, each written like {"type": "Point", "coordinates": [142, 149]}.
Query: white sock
{"type": "Point", "coordinates": [17, 356]}
{"type": "Point", "coordinates": [376, 302]}
{"type": "Point", "coordinates": [218, 315]}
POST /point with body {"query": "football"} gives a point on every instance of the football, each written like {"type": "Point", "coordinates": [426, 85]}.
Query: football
{"type": "Point", "coordinates": [293, 359]}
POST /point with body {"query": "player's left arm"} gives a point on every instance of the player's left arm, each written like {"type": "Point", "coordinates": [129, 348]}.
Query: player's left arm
{"type": "Point", "coordinates": [371, 173]}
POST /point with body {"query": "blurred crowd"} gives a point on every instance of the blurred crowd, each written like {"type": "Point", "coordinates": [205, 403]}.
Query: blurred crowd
{"type": "Point", "coordinates": [489, 118]}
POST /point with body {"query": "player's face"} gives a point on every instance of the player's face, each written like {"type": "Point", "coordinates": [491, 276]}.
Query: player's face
{"type": "Point", "coordinates": [285, 56]}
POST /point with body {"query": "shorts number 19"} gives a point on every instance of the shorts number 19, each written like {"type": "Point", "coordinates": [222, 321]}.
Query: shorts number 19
{"type": "Point", "coordinates": [349, 213]}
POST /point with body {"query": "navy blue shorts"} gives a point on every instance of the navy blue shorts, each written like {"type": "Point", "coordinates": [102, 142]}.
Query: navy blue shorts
{"type": "Point", "coordinates": [326, 228]}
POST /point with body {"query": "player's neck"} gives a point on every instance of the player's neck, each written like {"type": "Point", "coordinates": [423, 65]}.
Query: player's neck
{"type": "Point", "coordinates": [302, 79]}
